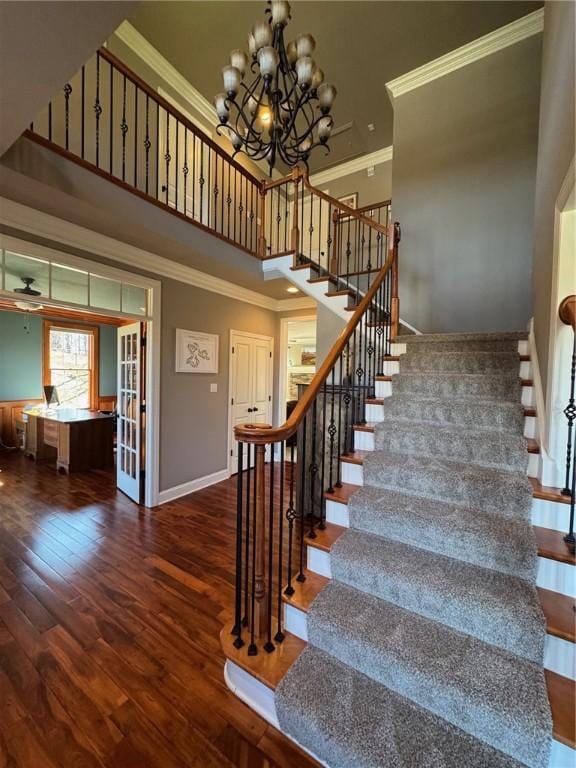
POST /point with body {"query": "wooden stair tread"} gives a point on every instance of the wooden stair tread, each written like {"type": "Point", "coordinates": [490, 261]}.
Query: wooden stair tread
{"type": "Point", "coordinates": [383, 378]}
{"type": "Point", "coordinates": [305, 591]}
{"type": "Point", "coordinates": [325, 538]}
{"type": "Point", "coordinates": [342, 494]}
{"type": "Point", "coordinates": [551, 544]}
{"type": "Point", "coordinates": [560, 612]}
{"type": "Point", "coordinates": [529, 411]}
{"type": "Point", "coordinates": [547, 492]}
{"type": "Point", "coordinates": [344, 292]}
{"type": "Point", "coordinates": [268, 668]}
{"type": "Point", "coordinates": [561, 694]}
{"type": "Point", "coordinates": [533, 445]}
{"type": "Point", "coordinates": [525, 358]}
{"type": "Point", "coordinates": [322, 279]}
{"type": "Point", "coordinates": [367, 427]}
{"type": "Point", "coordinates": [526, 383]}
{"type": "Point", "coordinates": [355, 457]}
{"type": "Point", "coordinates": [374, 401]}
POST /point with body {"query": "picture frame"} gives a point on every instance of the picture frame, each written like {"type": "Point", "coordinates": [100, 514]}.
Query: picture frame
{"type": "Point", "coordinates": [196, 351]}
{"type": "Point", "coordinates": [350, 200]}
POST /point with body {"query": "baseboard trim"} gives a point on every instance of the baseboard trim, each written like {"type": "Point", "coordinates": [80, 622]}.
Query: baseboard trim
{"type": "Point", "coordinates": [170, 494]}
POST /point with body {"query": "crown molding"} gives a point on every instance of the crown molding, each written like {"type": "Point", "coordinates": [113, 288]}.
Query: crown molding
{"type": "Point", "coordinates": [378, 157]}
{"type": "Point", "coordinates": [495, 41]}
{"type": "Point", "coordinates": [30, 221]}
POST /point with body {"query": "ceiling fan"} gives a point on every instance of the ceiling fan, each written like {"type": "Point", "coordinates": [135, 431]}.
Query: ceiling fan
{"type": "Point", "coordinates": [28, 290]}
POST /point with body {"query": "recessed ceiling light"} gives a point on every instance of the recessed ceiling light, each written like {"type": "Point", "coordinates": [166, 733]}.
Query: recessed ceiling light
{"type": "Point", "coordinates": [292, 289]}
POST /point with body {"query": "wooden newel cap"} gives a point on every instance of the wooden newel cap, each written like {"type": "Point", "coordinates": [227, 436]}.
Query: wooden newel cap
{"type": "Point", "coordinates": [250, 433]}
{"type": "Point", "coordinates": [567, 311]}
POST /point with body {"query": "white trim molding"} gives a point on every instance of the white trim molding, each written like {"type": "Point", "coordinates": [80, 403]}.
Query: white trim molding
{"type": "Point", "coordinates": [378, 157]}
{"type": "Point", "coordinates": [501, 38]}
{"type": "Point", "coordinates": [31, 221]}
{"type": "Point", "coordinates": [177, 491]}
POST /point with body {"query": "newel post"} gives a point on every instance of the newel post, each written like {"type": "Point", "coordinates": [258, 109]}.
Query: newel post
{"type": "Point", "coordinates": [393, 240]}
{"type": "Point", "coordinates": [262, 236]}
{"type": "Point", "coordinates": [295, 234]}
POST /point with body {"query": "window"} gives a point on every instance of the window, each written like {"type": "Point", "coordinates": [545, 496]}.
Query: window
{"type": "Point", "coordinates": [70, 355]}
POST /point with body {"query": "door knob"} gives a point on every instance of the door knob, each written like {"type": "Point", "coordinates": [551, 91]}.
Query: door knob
{"type": "Point", "coordinates": [249, 410]}
{"type": "Point", "coordinates": [254, 409]}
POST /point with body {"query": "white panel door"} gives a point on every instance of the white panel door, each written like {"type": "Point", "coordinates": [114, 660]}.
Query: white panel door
{"type": "Point", "coordinates": [251, 376]}
{"type": "Point", "coordinates": [128, 444]}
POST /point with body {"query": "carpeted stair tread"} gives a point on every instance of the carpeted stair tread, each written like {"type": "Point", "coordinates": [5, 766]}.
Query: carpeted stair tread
{"type": "Point", "coordinates": [490, 693]}
{"type": "Point", "coordinates": [504, 491]}
{"type": "Point", "coordinates": [482, 447]}
{"type": "Point", "coordinates": [496, 415]}
{"type": "Point", "coordinates": [494, 607]}
{"type": "Point", "coordinates": [459, 362]}
{"type": "Point", "coordinates": [349, 721]}
{"type": "Point", "coordinates": [431, 338]}
{"type": "Point", "coordinates": [459, 385]}
{"type": "Point", "coordinates": [472, 535]}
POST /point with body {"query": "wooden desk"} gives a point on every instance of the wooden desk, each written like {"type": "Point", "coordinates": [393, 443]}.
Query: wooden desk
{"type": "Point", "coordinates": [80, 440]}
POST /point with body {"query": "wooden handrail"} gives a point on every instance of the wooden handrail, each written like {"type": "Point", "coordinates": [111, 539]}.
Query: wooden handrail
{"type": "Point", "coordinates": [252, 433]}
{"type": "Point", "coordinates": [372, 206]}
{"type": "Point", "coordinates": [137, 80]}
{"type": "Point", "coordinates": [567, 311]}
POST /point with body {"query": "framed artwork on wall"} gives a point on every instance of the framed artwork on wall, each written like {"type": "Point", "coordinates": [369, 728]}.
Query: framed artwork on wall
{"type": "Point", "coordinates": [350, 200]}
{"type": "Point", "coordinates": [196, 352]}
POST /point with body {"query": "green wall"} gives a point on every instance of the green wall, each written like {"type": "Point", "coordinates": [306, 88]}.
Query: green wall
{"type": "Point", "coordinates": [21, 357]}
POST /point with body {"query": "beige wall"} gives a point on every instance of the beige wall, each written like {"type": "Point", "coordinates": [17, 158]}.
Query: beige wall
{"type": "Point", "coordinates": [555, 153]}
{"type": "Point", "coordinates": [370, 189]}
{"type": "Point", "coordinates": [463, 179]}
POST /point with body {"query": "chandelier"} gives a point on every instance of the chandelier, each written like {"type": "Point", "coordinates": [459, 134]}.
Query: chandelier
{"type": "Point", "coordinates": [285, 111]}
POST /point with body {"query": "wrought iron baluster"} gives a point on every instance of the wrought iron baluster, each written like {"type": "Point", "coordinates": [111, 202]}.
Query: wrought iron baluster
{"type": "Point", "coordinates": [67, 92]}
{"type": "Point", "coordinates": [50, 121]}
{"type": "Point", "coordinates": [147, 143]}
{"type": "Point", "coordinates": [313, 470]}
{"type": "Point", "coordinates": [332, 432]}
{"type": "Point", "coordinates": [111, 121]}
{"type": "Point", "coordinates": [302, 461]}
{"type": "Point", "coordinates": [269, 645]}
{"type": "Point", "coordinates": [124, 129]}
{"type": "Point", "coordinates": [82, 110]}
{"type": "Point", "coordinates": [135, 137]}
{"type": "Point", "coordinates": [215, 192]}
{"type": "Point", "coordinates": [252, 648]}
{"type": "Point", "coordinates": [97, 109]}
{"type": "Point", "coordinates": [338, 483]}
{"type": "Point", "coordinates": [348, 398]}
{"type": "Point", "coordinates": [570, 413]}
{"type": "Point", "coordinates": [185, 169]}
{"type": "Point", "coordinates": [201, 180]}
{"type": "Point", "coordinates": [157, 153]}
{"type": "Point", "coordinates": [176, 168]}
{"type": "Point", "coordinates": [279, 636]}
{"type": "Point", "coordinates": [237, 630]}
{"type": "Point", "coordinates": [167, 158]}
{"type": "Point", "coordinates": [228, 202]}
{"type": "Point", "coordinates": [323, 455]}
{"type": "Point", "coordinates": [290, 517]}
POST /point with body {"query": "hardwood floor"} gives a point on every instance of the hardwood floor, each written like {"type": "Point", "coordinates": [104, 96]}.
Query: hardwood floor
{"type": "Point", "coordinates": [110, 617]}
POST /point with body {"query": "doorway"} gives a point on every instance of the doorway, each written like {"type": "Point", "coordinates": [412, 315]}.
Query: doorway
{"type": "Point", "coordinates": [87, 308]}
{"type": "Point", "coordinates": [250, 385]}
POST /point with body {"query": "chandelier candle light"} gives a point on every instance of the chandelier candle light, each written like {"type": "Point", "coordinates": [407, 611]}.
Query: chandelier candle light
{"type": "Point", "coordinates": [285, 111]}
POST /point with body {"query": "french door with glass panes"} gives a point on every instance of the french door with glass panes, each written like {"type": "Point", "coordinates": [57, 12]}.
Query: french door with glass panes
{"type": "Point", "coordinates": [129, 438]}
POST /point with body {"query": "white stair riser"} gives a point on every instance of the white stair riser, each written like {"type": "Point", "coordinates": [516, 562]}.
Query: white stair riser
{"type": "Point", "coordinates": [352, 473]}
{"type": "Point", "coordinates": [397, 348]}
{"type": "Point", "coordinates": [390, 367]}
{"type": "Point", "coordinates": [383, 388]}
{"type": "Point", "coordinates": [260, 698]}
{"type": "Point", "coordinates": [364, 441]}
{"type": "Point", "coordinates": [374, 412]}
{"type": "Point", "coordinates": [528, 397]}
{"type": "Point", "coordinates": [526, 369]}
{"type": "Point", "coordinates": [552, 575]}
{"type": "Point", "coordinates": [559, 655]}
{"type": "Point", "coordinates": [550, 514]}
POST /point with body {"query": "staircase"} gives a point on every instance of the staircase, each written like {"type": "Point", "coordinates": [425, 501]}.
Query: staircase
{"type": "Point", "coordinates": [404, 594]}
{"type": "Point", "coordinates": [427, 628]}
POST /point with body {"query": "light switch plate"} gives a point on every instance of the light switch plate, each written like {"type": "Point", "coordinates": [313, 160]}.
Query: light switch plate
{"type": "Point", "coordinates": [213, 387]}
